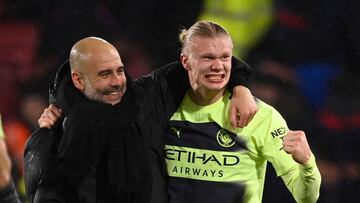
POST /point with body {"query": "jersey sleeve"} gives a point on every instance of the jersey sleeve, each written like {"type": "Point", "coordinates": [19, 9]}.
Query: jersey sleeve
{"type": "Point", "coordinates": [2, 134]}
{"type": "Point", "coordinates": [304, 182]}
{"type": "Point", "coordinates": [273, 148]}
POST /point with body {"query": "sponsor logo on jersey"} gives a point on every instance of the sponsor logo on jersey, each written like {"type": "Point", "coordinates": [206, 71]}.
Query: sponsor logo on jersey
{"type": "Point", "coordinates": [201, 157]}
{"type": "Point", "coordinates": [278, 132]}
{"type": "Point", "coordinates": [197, 172]}
{"type": "Point", "coordinates": [202, 164]}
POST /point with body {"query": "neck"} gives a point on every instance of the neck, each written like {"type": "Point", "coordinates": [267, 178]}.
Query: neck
{"type": "Point", "coordinates": [204, 98]}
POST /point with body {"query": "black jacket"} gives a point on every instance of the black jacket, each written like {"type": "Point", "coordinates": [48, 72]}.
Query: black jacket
{"type": "Point", "coordinates": [9, 194]}
{"type": "Point", "coordinates": [108, 153]}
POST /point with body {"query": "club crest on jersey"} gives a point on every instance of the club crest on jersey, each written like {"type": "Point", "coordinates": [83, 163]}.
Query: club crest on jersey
{"type": "Point", "coordinates": [224, 138]}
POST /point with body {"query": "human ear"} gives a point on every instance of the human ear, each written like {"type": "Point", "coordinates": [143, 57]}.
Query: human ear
{"type": "Point", "coordinates": [184, 61]}
{"type": "Point", "coordinates": [77, 80]}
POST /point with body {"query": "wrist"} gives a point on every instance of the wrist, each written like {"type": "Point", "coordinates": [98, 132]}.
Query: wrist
{"type": "Point", "coordinates": [240, 89]}
{"type": "Point", "coordinates": [310, 162]}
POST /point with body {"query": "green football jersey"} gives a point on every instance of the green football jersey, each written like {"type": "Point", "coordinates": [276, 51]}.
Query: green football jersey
{"type": "Point", "coordinates": [2, 134]}
{"type": "Point", "coordinates": [210, 161]}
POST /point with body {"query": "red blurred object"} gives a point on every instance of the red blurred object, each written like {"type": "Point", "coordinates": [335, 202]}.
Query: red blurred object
{"type": "Point", "coordinates": [338, 123]}
{"type": "Point", "coordinates": [291, 20]}
{"type": "Point", "coordinates": [16, 134]}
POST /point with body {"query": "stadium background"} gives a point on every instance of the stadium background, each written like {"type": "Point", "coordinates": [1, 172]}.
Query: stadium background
{"type": "Point", "coordinates": [305, 54]}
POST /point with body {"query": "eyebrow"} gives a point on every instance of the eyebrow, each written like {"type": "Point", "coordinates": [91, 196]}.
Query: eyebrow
{"type": "Point", "coordinates": [122, 67]}
{"type": "Point", "coordinates": [108, 70]}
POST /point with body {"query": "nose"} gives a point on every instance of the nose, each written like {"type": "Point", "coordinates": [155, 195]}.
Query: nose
{"type": "Point", "coordinates": [216, 65]}
{"type": "Point", "coordinates": [116, 80]}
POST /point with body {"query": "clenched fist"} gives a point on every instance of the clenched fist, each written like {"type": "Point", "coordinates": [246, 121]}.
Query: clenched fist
{"type": "Point", "coordinates": [295, 143]}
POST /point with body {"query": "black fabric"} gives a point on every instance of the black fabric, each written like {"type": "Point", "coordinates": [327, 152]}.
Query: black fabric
{"type": "Point", "coordinates": [107, 139]}
{"type": "Point", "coordinates": [92, 137]}
{"type": "Point", "coordinates": [240, 73]}
{"type": "Point", "coordinates": [9, 194]}
{"type": "Point", "coordinates": [118, 148]}
{"type": "Point", "coordinates": [54, 86]}
{"type": "Point", "coordinates": [39, 149]}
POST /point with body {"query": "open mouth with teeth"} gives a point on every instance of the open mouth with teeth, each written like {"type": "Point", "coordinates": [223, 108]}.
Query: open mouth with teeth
{"type": "Point", "coordinates": [215, 77]}
{"type": "Point", "coordinates": [113, 95]}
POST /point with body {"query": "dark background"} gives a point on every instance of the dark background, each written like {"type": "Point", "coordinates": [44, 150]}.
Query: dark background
{"type": "Point", "coordinates": [306, 63]}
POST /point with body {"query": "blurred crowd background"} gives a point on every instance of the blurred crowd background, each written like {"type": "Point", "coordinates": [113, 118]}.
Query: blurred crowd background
{"type": "Point", "coordinates": [305, 55]}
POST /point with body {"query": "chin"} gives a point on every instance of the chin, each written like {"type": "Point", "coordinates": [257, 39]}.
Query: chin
{"type": "Point", "coordinates": [116, 102]}
{"type": "Point", "coordinates": [113, 102]}
{"type": "Point", "coordinates": [217, 87]}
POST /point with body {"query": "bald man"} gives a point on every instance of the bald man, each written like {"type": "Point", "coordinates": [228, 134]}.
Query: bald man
{"type": "Point", "coordinates": [106, 150]}
{"type": "Point", "coordinates": [100, 80]}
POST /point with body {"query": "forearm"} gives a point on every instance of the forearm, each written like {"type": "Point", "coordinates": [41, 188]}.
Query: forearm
{"type": "Point", "coordinates": [5, 165]}
{"type": "Point", "coordinates": [240, 73]}
{"type": "Point", "coordinates": [304, 182]}
{"type": "Point", "coordinates": [171, 83]}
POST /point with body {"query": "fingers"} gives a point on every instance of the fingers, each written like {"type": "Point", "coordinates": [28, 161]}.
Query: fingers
{"type": "Point", "coordinates": [243, 107]}
{"type": "Point", "coordinates": [55, 110]}
{"type": "Point", "coordinates": [50, 116]}
{"type": "Point", "coordinates": [253, 110]}
{"type": "Point", "coordinates": [295, 143]}
{"type": "Point", "coordinates": [291, 140]}
{"type": "Point", "coordinates": [241, 120]}
{"type": "Point", "coordinates": [233, 116]}
{"type": "Point", "coordinates": [244, 117]}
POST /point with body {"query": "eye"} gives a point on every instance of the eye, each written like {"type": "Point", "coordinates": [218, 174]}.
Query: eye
{"type": "Point", "coordinates": [207, 57]}
{"type": "Point", "coordinates": [104, 74]}
{"type": "Point", "coordinates": [225, 57]}
{"type": "Point", "coordinates": [120, 71]}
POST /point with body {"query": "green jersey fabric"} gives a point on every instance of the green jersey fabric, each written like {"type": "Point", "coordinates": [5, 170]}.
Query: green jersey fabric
{"type": "Point", "coordinates": [2, 134]}
{"type": "Point", "coordinates": [209, 161]}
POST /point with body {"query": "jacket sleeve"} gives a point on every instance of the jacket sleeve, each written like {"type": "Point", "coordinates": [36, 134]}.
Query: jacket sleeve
{"type": "Point", "coordinates": [9, 194]}
{"type": "Point", "coordinates": [304, 182]}
{"type": "Point", "coordinates": [169, 83]}
{"type": "Point", "coordinates": [240, 73]}
{"type": "Point", "coordinates": [39, 148]}
{"type": "Point", "coordinates": [173, 81]}
{"type": "Point", "coordinates": [85, 134]}
{"type": "Point", "coordinates": [53, 172]}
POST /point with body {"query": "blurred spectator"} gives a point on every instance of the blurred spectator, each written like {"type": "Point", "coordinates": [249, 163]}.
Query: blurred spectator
{"type": "Point", "coordinates": [297, 48]}
{"type": "Point", "coordinates": [8, 193]}
{"type": "Point", "coordinates": [246, 20]}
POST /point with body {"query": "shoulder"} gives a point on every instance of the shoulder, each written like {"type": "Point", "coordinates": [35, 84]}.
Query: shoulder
{"type": "Point", "coordinates": [267, 117]}
{"type": "Point", "coordinates": [40, 140]}
{"type": "Point", "coordinates": [266, 111]}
